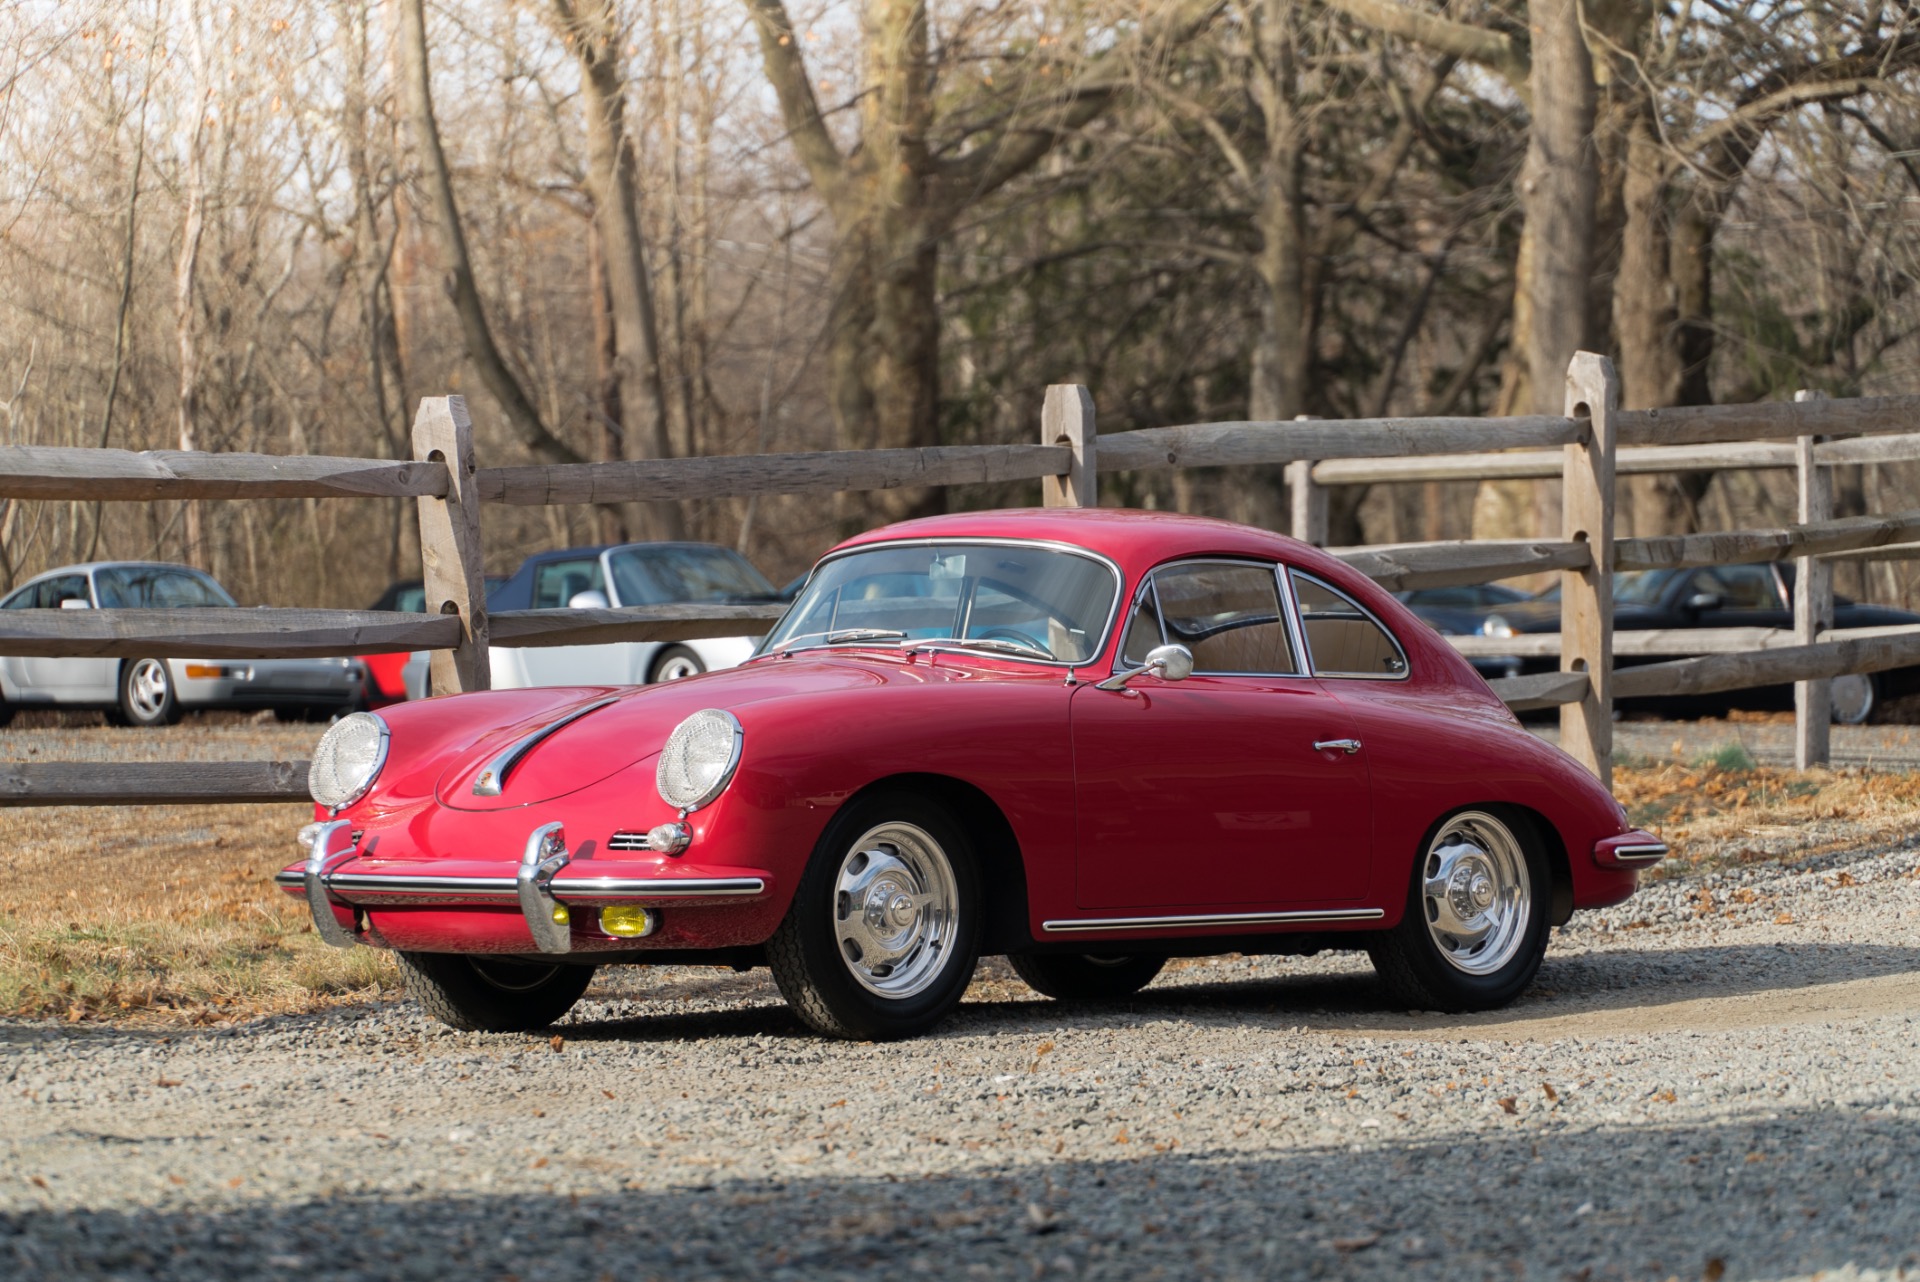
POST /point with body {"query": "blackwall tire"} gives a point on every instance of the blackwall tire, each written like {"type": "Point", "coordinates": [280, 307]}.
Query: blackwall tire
{"type": "Point", "coordinates": [883, 932]}
{"type": "Point", "coordinates": [673, 664]}
{"type": "Point", "coordinates": [492, 994]}
{"type": "Point", "coordinates": [1478, 913]}
{"type": "Point", "coordinates": [1085, 977]}
{"type": "Point", "coordinates": [147, 696]}
{"type": "Point", "coordinates": [1855, 698]}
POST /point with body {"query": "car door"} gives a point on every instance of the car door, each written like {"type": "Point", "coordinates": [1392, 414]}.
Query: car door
{"type": "Point", "coordinates": [1210, 791]}
{"type": "Point", "coordinates": [555, 585]}
{"type": "Point", "coordinates": [1747, 596]}
{"type": "Point", "coordinates": [65, 680]}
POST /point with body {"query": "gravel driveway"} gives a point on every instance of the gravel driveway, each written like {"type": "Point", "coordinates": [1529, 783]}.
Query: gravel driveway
{"type": "Point", "coordinates": [1721, 1078]}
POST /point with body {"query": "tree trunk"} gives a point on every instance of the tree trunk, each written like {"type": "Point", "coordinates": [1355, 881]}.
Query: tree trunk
{"type": "Point", "coordinates": [187, 265]}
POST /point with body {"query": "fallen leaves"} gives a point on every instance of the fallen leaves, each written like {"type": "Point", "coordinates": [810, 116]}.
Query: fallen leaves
{"type": "Point", "coordinates": [558, 1043]}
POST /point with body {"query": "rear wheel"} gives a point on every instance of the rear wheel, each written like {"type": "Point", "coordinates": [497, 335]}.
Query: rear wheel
{"type": "Point", "coordinates": [146, 693]}
{"type": "Point", "coordinates": [492, 994]}
{"type": "Point", "coordinates": [1477, 917]}
{"type": "Point", "coordinates": [1083, 977]}
{"type": "Point", "coordinates": [675, 662]}
{"type": "Point", "coordinates": [1854, 698]}
{"type": "Point", "coordinates": [881, 938]}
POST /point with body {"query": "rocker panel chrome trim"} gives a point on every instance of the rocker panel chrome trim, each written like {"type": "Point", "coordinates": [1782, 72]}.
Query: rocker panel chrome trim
{"type": "Point", "coordinates": [1089, 924]}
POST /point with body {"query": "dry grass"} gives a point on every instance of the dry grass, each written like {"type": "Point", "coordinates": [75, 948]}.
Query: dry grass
{"type": "Point", "coordinates": [168, 914]}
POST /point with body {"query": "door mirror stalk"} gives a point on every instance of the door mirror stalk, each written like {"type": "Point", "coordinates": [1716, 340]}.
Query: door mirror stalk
{"type": "Point", "coordinates": [1168, 662]}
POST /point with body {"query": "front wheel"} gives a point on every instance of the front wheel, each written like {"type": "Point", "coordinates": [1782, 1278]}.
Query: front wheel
{"type": "Point", "coordinates": [882, 935]}
{"type": "Point", "coordinates": [675, 662]}
{"type": "Point", "coordinates": [1477, 918]}
{"type": "Point", "coordinates": [1083, 977]}
{"type": "Point", "coordinates": [492, 994]}
{"type": "Point", "coordinates": [1854, 697]}
{"type": "Point", "coordinates": [146, 693]}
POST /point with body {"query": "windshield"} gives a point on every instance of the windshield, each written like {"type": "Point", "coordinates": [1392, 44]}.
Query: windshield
{"type": "Point", "coordinates": [661, 574]}
{"type": "Point", "coordinates": [123, 587]}
{"type": "Point", "coordinates": [1020, 600]}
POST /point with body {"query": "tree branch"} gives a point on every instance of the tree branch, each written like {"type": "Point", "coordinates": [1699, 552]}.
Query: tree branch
{"type": "Point", "coordinates": [1493, 50]}
{"type": "Point", "coordinates": [799, 107]}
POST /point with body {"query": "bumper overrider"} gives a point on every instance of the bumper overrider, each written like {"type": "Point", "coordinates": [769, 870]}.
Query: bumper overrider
{"type": "Point", "coordinates": [1629, 850]}
{"type": "Point", "coordinates": [547, 886]}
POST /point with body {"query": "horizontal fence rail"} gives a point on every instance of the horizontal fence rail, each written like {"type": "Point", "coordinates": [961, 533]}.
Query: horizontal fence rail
{"type": "Point", "coordinates": [139, 783]}
{"type": "Point", "coordinates": [46, 472]}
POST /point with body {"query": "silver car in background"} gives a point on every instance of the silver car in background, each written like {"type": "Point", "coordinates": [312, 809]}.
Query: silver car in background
{"type": "Point", "coordinates": [154, 692]}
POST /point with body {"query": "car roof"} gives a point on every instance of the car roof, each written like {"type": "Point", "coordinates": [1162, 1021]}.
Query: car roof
{"type": "Point", "coordinates": [87, 567]}
{"type": "Point", "coordinates": [1128, 536]}
{"type": "Point", "coordinates": [595, 549]}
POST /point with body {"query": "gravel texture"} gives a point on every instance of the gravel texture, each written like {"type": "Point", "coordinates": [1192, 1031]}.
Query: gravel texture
{"type": "Point", "coordinates": [1720, 1078]}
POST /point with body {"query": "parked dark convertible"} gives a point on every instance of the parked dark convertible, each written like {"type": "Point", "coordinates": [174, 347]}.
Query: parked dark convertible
{"type": "Point", "coordinates": [1725, 596]}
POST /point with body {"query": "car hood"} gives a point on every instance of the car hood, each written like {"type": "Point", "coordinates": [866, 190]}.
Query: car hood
{"type": "Point", "coordinates": [590, 734]}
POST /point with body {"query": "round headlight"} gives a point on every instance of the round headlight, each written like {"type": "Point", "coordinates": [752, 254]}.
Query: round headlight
{"type": "Point", "coordinates": [699, 759]}
{"type": "Point", "coordinates": [348, 760]}
{"type": "Point", "coordinates": [1496, 626]}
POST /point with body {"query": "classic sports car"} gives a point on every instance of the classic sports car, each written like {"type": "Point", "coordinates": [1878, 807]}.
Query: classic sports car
{"type": "Point", "coordinates": [1088, 740]}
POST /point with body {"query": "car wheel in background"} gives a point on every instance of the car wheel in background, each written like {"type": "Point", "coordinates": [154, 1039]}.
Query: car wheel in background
{"type": "Point", "coordinates": [1083, 977]}
{"type": "Point", "coordinates": [1855, 696]}
{"type": "Point", "coordinates": [146, 693]}
{"type": "Point", "coordinates": [673, 663]}
{"type": "Point", "coordinates": [492, 994]}
{"type": "Point", "coordinates": [1477, 917]}
{"type": "Point", "coordinates": [882, 935]}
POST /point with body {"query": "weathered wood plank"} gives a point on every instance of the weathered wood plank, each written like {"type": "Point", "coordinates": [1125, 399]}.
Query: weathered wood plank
{"type": "Point", "coordinates": [1739, 547]}
{"type": "Point", "coordinates": [1812, 601]}
{"type": "Point", "coordinates": [1066, 420]}
{"type": "Point", "coordinates": [1888, 552]}
{"type": "Point", "coordinates": [1713, 673]}
{"type": "Point", "coordinates": [825, 472]}
{"type": "Point", "coordinates": [1868, 449]}
{"type": "Point", "coordinates": [451, 555]}
{"type": "Point", "coordinates": [1398, 567]}
{"type": "Point", "coordinates": [1586, 594]}
{"type": "Point", "coordinates": [1667, 641]}
{"type": "Point", "coordinates": [152, 783]}
{"type": "Point", "coordinates": [1541, 690]}
{"type": "Point", "coordinates": [1770, 420]}
{"type": "Point", "coordinates": [691, 622]}
{"type": "Point", "coordinates": [50, 472]}
{"type": "Point", "coordinates": [220, 633]}
{"type": "Point", "coordinates": [1238, 444]}
{"type": "Point", "coordinates": [1646, 460]}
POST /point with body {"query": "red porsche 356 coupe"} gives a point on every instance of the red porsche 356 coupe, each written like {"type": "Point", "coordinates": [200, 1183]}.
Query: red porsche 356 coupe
{"type": "Point", "coordinates": [1087, 740]}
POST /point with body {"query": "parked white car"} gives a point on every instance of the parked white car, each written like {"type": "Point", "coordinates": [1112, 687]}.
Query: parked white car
{"type": "Point", "coordinates": [154, 692]}
{"type": "Point", "coordinates": [624, 575]}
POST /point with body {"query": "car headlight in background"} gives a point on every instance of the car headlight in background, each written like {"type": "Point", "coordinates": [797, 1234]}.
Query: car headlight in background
{"type": "Point", "coordinates": [1496, 626]}
{"type": "Point", "coordinates": [700, 757]}
{"type": "Point", "coordinates": [348, 760]}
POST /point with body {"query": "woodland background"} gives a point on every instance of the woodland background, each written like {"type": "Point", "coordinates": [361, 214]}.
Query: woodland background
{"type": "Point", "coordinates": [635, 228]}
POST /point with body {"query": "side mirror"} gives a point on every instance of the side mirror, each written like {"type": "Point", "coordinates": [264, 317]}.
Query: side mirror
{"type": "Point", "coordinates": [1705, 601]}
{"type": "Point", "coordinates": [1168, 662]}
{"type": "Point", "coordinates": [76, 603]}
{"type": "Point", "coordinates": [591, 599]}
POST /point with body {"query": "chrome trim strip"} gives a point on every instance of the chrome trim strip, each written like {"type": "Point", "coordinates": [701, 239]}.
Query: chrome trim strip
{"type": "Point", "coordinates": [1001, 541]}
{"type": "Point", "coordinates": [324, 855]}
{"type": "Point", "coordinates": [1084, 924]}
{"type": "Point", "coordinates": [1640, 854]}
{"type": "Point", "coordinates": [569, 888]}
{"type": "Point", "coordinates": [493, 776]}
{"type": "Point", "coordinates": [546, 919]}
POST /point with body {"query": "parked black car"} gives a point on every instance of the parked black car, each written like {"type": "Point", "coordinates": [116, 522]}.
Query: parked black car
{"type": "Point", "coordinates": [1723, 596]}
{"type": "Point", "coordinates": [1462, 612]}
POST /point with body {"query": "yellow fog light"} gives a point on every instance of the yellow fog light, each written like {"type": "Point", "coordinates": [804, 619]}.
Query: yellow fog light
{"type": "Point", "coordinates": [560, 913]}
{"type": "Point", "coordinates": [628, 921]}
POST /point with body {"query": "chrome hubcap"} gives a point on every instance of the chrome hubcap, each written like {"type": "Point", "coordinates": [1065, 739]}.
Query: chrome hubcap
{"type": "Point", "coordinates": [894, 907]}
{"type": "Point", "coordinates": [676, 668]}
{"type": "Point", "coordinates": [1852, 698]}
{"type": "Point", "coordinates": [1476, 893]}
{"type": "Point", "coordinates": [147, 687]}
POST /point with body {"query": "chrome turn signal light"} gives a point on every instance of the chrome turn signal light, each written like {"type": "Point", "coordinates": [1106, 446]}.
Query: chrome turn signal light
{"type": "Point", "coordinates": [628, 921]}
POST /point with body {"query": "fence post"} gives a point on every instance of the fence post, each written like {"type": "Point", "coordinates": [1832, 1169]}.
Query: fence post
{"type": "Point", "coordinates": [1306, 498]}
{"type": "Point", "coordinates": [1066, 418]}
{"type": "Point", "coordinates": [1812, 606]}
{"type": "Point", "coordinates": [450, 550]}
{"type": "Point", "coordinates": [1586, 596]}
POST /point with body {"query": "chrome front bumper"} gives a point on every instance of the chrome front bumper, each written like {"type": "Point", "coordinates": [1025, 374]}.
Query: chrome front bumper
{"type": "Point", "coordinates": [542, 895]}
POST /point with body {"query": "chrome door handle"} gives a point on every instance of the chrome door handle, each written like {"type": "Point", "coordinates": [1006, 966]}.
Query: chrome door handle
{"type": "Point", "coordinates": [1348, 746]}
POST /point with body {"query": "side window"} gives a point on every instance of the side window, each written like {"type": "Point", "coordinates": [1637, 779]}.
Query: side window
{"type": "Point", "coordinates": [68, 587]}
{"type": "Point", "coordinates": [174, 590]}
{"type": "Point", "coordinates": [1342, 638]}
{"type": "Point", "coordinates": [1228, 614]}
{"type": "Point", "coordinates": [1742, 587]}
{"type": "Point", "coordinates": [558, 582]}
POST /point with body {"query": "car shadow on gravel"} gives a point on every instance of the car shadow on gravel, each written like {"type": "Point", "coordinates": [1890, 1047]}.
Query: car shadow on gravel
{"type": "Point", "coordinates": [1782, 1195]}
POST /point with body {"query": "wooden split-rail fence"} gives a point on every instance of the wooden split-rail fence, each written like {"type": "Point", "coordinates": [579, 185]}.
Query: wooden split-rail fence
{"type": "Point", "coordinates": [1587, 448]}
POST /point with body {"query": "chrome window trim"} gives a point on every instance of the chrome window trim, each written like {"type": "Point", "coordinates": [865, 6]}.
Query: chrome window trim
{"type": "Point", "coordinates": [1000, 541]}
{"type": "Point", "coordinates": [493, 776]}
{"type": "Point", "coordinates": [1086, 925]}
{"type": "Point", "coordinates": [1281, 594]}
{"type": "Point", "coordinates": [1406, 664]}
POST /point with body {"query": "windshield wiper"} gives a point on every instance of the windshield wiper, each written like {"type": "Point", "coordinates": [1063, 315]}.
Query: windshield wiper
{"type": "Point", "coordinates": [844, 636]}
{"type": "Point", "coordinates": [990, 643]}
